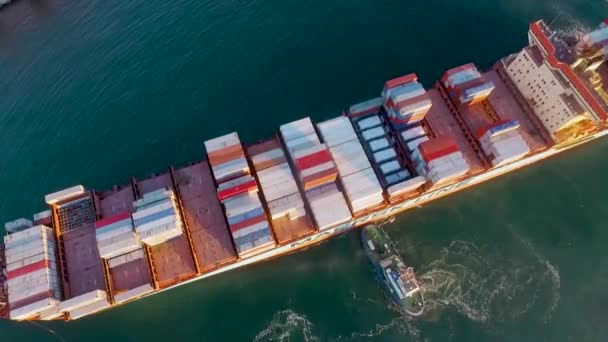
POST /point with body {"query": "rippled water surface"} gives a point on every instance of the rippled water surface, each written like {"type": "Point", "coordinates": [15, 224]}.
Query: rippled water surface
{"type": "Point", "coordinates": [96, 91]}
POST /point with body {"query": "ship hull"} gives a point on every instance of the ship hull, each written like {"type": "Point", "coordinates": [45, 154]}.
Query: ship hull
{"type": "Point", "coordinates": [382, 214]}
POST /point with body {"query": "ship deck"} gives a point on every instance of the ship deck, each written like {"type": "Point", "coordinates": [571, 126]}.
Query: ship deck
{"type": "Point", "coordinates": [508, 108]}
{"type": "Point", "coordinates": [84, 267]}
{"type": "Point", "coordinates": [285, 230]}
{"type": "Point", "coordinates": [135, 273]}
{"type": "Point", "coordinates": [441, 121]}
{"type": "Point", "coordinates": [204, 217]}
{"type": "Point", "coordinates": [172, 261]}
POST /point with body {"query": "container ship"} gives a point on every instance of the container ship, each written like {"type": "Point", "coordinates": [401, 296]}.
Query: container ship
{"type": "Point", "coordinates": [94, 250]}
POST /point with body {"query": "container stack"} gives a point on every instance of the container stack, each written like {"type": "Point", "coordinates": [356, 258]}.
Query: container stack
{"type": "Point", "coordinates": [281, 192]}
{"type": "Point", "coordinates": [33, 280]}
{"type": "Point", "coordinates": [156, 217]}
{"type": "Point", "coordinates": [358, 179]}
{"type": "Point", "coordinates": [316, 170]}
{"type": "Point", "coordinates": [466, 85]}
{"type": "Point", "coordinates": [405, 101]}
{"type": "Point", "coordinates": [440, 160]}
{"type": "Point", "coordinates": [368, 107]}
{"type": "Point", "coordinates": [115, 235]}
{"type": "Point", "coordinates": [503, 143]}
{"type": "Point", "coordinates": [237, 189]}
{"type": "Point", "coordinates": [85, 304]}
{"type": "Point", "coordinates": [380, 147]}
{"type": "Point", "coordinates": [17, 225]}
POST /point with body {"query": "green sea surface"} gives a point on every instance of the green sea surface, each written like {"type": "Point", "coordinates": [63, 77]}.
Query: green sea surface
{"type": "Point", "coordinates": [94, 91]}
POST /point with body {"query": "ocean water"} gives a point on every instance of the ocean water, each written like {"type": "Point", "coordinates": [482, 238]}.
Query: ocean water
{"type": "Point", "coordinates": [93, 92]}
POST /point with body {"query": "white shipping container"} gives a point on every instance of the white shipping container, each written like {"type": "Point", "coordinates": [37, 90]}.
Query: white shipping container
{"type": "Point", "coordinates": [406, 186]}
{"type": "Point", "coordinates": [22, 234]}
{"type": "Point", "coordinates": [349, 158]}
{"type": "Point", "coordinates": [30, 260]}
{"type": "Point", "coordinates": [373, 133]}
{"type": "Point", "coordinates": [322, 191]}
{"type": "Point", "coordinates": [330, 210]}
{"type": "Point", "coordinates": [302, 143]}
{"type": "Point", "coordinates": [154, 196]}
{"type": "Point", "coordinates": [369, 122]}
{"type": "Point", "coordinates": [275, 191]}
{"type": "Point", "coordinates": [275, 175]}
{"type": "Point", "coordinates": [50, 314]}
{"type": "Point", "coordinates": [309, 150]}
{"type": "Point", "coordinates": [297, 129]}
{"type": "Point", "coordinates": [283, 206]}
{"type": "Point", "coordinates": [17, 224]}
{"type": "Point", "coordinates": [82, 300]}
{"type": "Point", "coordinates": [123, 259]}
{"type": "Point", "coordinates": [32, 309]}
{"type": "Point", "coordinates": [337, 131]}
{"type": "Point", "coordinates": [413, 133]}
{"type": "Point", "coordinates": [64, 194]}
{"type": "Point", "coordinates": [222, 142]}
{"type": "Point", "coordinates": [153, 209]}
{"type": "Point", "coordinates": [413, 145]}
{"type": "Point", "coordinates": [241, 204]}
{"type": "Point", "coordinates": [229, 169]}
{"type": "Point", "coordinates": [89, 309]}
{"type": "Point", "coordinates": [397, 177]}
{"type": "Point", "coordinates": [251, 229]}
{"type": "Point", "coordinates": [167, 220]}
{"type": "Point", "coordinates": [415, 108]}
{"type": "Point", "coordinates": [365, 106]}
{"type": "Point", "coordinates": [267, 156]}
{"type": "Point", "coordinates": [24, 254]}
{"type": "Point", "coordinates": [384, 155]}
{"type": "Point", "coordinates": [317, 169]}
{"type": "Point", "coordinates": [378, 144]}
{"type": "Point", "coordinates": [42, 215]}
{"type": "Point", "coordinates": [389, 167]}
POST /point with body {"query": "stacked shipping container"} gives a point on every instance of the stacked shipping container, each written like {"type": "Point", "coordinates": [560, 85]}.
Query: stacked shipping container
{"type": "Point", "coordinates": [156, 218]}
{"type": "Point", "coordinates": [466, 85]}
{"type": "Point", "coordinates": [358, 179]}
{"type": "Point", "coordinates": [285, 204]}
{"type": "Point", "coordinates": [33, 280]}
{"type": "Point", "coordinates": [380, 146]}
{"type": "Point", "coordinates": [238, 191]}
{"type": "Point", "coordinates": [405, 100]}
{"type": "Point", "coordinates": [115, 235]}
{"type": "Point", "coordinates": [316, 172]}
{"type": "Point", "coordinates": [503, 143]}
{"type": "Point", "coordinates": [440, 160]}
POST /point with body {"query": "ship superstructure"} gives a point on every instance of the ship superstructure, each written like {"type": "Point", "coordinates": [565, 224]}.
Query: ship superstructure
{"type": "Point", "coordinates": [92, 250]}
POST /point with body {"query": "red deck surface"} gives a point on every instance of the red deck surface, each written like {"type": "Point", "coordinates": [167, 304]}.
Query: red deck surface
{"type": "Point", "coordinates": [442, 122]}
{"type": "Point", "coordinates": [130, 275]}
{"type": "Point", "coordinates": [204, 216]}
{"type": "Point", "coordinates": [287, 230]}
{"type": "Point", "coordinates": [172, 260]}
{"type": "Point", "coordinates": [114, 202]}
{"type": "Point", "coordinates": [84, 266]}
{"type": "Point", "coordinates": [508, 108]}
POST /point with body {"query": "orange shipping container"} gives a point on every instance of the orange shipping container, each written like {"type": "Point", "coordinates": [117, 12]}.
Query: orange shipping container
{"type": "Point", "coordinates": [227, 154]}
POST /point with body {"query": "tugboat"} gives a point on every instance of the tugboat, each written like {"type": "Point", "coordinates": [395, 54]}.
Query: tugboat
{"type": "Point", "coordinates": [398, 278]}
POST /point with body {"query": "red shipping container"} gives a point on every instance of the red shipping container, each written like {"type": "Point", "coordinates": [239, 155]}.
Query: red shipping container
{"type": "Point", "coordinates": [438, 147]}
{"type": "Point", "coordinates": [248, 222]}
{"type": "Point", "coordinates": [483, 130]}
{"type": "Point", "coordinates": [320, 178]}
{"type": "Point", "coordinates": [251, 185]}
{"type": "Point", "coordinates": [395, 82]}
{"type": "Point", "coordinates": [313, 160]}
{"type": "Point", "coordinates": [28, 269]}
{"type": "Point", "coordinates": [112, 219]}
